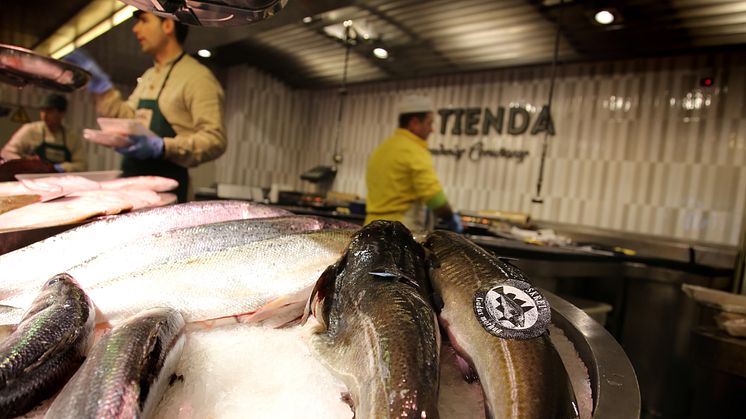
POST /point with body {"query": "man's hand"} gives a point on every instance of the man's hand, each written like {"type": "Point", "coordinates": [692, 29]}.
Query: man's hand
{"type": "Point", "coordinates": [100, 81]}
{"type": "Point", "coordinates": [455, 224]}
{"type": "Point", "coordinates": [143, 147]}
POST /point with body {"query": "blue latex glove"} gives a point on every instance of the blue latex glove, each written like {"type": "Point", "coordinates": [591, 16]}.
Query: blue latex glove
{"type": "Point", "coordinates": [58, 168]}
{"type": "Point", "coordinates": [100, 81]}
{"type": "Point", "coordinates": [455, 224]}
{"type": "Point", "coordinates": [143, 147]}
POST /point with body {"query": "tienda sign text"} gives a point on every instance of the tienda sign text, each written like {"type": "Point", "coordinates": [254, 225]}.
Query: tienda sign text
{"type": "Point", "coordinates": [483, 121]}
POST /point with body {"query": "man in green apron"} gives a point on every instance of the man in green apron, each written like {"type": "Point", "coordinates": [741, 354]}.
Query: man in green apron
{"type": "Point", "coordinates": [178, 98]}
{"type": "Point", "coordinates": [48, 140]}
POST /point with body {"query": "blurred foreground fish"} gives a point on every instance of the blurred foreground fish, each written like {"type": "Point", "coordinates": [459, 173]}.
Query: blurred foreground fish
{"type": "Point", "coordinates": [47, 346]}
{"type": "Point", "coordinates": [497, 322]}
{"type": "Point", "coordinates": [379, 332]}
{"type": "Point", "coordinates": [127, 371]}
{"type": "Point", "coordinates": [77, 245]}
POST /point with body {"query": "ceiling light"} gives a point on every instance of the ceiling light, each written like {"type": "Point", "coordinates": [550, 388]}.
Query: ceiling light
{"type": "Point", "coordinates": [307, 19]}
{"type": "Point", "coordinates": [604, 17]}
{"type": "Point", "coordinates": [381, 53]}
{"type": "Point", "coordinates": [94, 20]}
{"type": "Point", "coordinates": [347, 23]}
{"type": "Point", "coordinates": [204, 53]}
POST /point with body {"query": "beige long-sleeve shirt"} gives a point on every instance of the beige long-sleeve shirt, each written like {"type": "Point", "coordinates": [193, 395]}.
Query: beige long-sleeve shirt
{"type": "Point", "coordinates": [28, 137]}
{"type": "Point", "coordinates": [191, 101]}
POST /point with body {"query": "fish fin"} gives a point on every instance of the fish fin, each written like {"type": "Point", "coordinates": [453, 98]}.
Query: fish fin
{"type": "Point", "coordinates": [324, 286]}
{"type": "Point", "coordinates": [6, 330]}
{"type": "Point", "coordinates": [395, 275]}
{"type": "Point", "coordinates": [278, 312]}
{"type": "Point", "coordinates": [346, 397]}
{"type": "Point", "coordinates": [469, 374]}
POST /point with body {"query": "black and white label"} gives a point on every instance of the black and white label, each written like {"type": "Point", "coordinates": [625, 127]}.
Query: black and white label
{"type": "Point", "coordinates": [512, 310]}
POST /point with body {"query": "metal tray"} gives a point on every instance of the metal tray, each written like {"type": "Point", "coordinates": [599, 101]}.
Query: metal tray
{"type": "Point", "coordinates": [20, 67]}
{"type": "Point", "coordinates": [616, 394]}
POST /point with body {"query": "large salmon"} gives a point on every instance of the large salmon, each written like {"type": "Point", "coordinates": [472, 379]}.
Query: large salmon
{"type": "Point", "coordinates": [203, 283]}
{"type": "Point", "coordinates": [28, 267]}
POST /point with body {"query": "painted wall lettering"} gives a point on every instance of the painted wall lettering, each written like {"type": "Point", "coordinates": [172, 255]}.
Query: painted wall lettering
{"type": "Point", "coordinates": [477, 151]}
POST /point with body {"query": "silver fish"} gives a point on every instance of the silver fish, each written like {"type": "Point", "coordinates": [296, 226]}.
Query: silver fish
{"type": "Point", "coordinates": [77, 245]}
{"type": "Point", "coordinates": [127, 371]}
{"type": "Point", "coordinates": [497, 322]}
{"type": "Point", "coordinates": [47, 346]}
{"type": "Point", "coordinates": [222, 283]}
{"type": "Point", "coordinates": [379, 332]}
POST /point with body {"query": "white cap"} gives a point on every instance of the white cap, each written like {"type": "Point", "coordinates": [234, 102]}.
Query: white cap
{"type": "Point", "coordinates": [415, 104]}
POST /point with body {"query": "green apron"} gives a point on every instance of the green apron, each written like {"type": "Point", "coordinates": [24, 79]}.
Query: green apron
{"type": "Point", "coordinates": [53, 153]}
{"type": "Point", "coordinates": [159, 167]}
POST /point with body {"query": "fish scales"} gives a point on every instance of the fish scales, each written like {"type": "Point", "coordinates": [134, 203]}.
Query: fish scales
{"type": "Point", "coordinates": [521, 378]}
{"type": "Point", "coordinates": [47, 346]}
{"type": "Point", "coordinates": [178, 245]}
{"type": "Point", "coordinates": [211, 284]}
{"type": "Point", "coordinates": [381, 335]}
{"type": "Point", "coordinates": [79, 244]}
{"type": "Point", "coordinates": [127, 371]}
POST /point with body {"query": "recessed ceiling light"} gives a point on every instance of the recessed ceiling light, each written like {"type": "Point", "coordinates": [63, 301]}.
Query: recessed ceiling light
{"type": "Point", "coordinates": [604, 17]}
{"type": "Point", "coordinates": [381, 53]}
{"type": "Point", "coordinates": [307, 19]}
{"type": "Point", "coordinates": [204, 53]}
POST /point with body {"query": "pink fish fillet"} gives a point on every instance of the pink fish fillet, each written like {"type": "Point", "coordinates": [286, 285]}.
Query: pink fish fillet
{"type": "Point", "coordinates": [153, 183]}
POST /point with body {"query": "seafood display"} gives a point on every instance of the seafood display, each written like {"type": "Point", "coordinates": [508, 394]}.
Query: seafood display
{"type": "Point", "coordinates": [229, 309]}
{"type": "Point", "coordinates": [128, 370]}
{"type": "Point", "coordinates": [46, 348]}
{"type": "Point", "coordinates": [77, 198]}
{"type": "Point", "coordinates": [378, 330]}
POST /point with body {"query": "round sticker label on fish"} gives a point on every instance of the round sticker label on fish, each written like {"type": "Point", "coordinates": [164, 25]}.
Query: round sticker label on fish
{"type": "Point", "coordinates": [512, 310]}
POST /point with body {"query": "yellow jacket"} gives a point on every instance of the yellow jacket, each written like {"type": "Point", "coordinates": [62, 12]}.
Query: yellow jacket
{"type": "Point", "coordinates": [400, 175]}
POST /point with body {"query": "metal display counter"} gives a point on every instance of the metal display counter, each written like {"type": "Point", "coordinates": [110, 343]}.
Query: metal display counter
{"type": "Point", "coordinates": [613, 382]}
{"type": "Point", "coordinates": [651, 317]}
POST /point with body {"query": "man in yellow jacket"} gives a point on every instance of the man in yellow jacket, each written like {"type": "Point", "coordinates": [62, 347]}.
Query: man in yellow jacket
{"type": "Point", "coordinates": [400, 177]}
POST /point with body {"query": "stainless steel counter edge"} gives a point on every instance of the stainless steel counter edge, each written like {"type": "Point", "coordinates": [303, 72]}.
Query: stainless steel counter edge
{"type": "Point", "coordinates": [616, 393]}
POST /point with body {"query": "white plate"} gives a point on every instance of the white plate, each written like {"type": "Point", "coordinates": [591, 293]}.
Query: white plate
{"type": "Point", "coordinates": [123, 126]}
{"type": "Point", "coordinates": [105, 138]}
{"type": "Point", "coordinates": [97, 176]}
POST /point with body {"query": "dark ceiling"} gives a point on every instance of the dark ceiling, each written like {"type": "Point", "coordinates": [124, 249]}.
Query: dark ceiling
{"type": "Point", "coordinates": [423, 37]}
{"type": "Point", "coordinates": [26, 23]}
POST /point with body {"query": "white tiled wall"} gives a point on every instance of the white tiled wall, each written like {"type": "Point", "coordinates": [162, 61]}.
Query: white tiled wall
{"type": "Point", "coordinates": [640, 146]}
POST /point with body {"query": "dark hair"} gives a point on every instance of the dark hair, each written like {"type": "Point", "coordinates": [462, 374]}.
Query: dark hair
{"type": "Point", "coordinates": [406, 117]}
{"type": "Point", "coordinates": [54, 101]}
{"type": "Point", "coordinates": [180, 30]}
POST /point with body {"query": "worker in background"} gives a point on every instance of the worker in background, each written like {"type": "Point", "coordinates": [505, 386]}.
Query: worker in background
{"type": "Point", "coordinates": [178, 98]}
{"type": "Point", "coordinates": [48, 140]}
{"type": "Point", "coordinates": [400, 178]}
